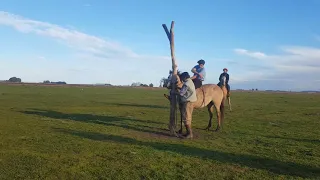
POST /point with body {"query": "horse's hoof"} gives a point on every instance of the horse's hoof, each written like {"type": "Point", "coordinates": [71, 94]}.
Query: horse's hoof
{"type": "Point", "coordinates": [217, 130]}
{"type": "Point", "coordinates": [180, 131]}
{"type": "Point", "coordinates": [207, 128]}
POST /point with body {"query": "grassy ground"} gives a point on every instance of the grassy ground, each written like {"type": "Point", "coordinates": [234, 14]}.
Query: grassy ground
{"type": "Point", "coordinates": [121, 133]}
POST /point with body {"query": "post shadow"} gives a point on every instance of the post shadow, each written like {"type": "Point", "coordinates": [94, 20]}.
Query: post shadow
{"type": "Point", "coordinates": [136, 105]}
{"type": "Point", "coordinates": [304, 140]}
{"type": "Point", "coordinates": [116, 121]}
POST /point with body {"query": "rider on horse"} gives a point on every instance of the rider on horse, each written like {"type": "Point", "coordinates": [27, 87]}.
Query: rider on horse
{"type": "Point", "coordinates": [199, 73]}
{"type": "Point", "coordinates": [225, 73]}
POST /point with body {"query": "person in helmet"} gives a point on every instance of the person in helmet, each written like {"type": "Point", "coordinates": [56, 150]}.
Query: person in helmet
{"type": "Point", "coordinates": [187, 97]}
{"type": "Point", "coordinates": [199, 73]}
{"type": "Point", "coordinates": [225, 73]}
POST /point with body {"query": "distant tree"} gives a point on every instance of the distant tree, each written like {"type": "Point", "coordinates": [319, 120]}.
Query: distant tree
{"type": "Point", "coordinates": [59, 82]}
{"type": "Point", "coordinates": [150, 85]}
{"type": "Point", "coordinates": [15, 79]}
{"type": "Point", "coordinates": [46, 82]}
{"type": "Point", "coordinates": [136, 84]}
{"type": "Point", "coordinates": [144, 85]}
{"type": "Point", "coordinates": [256, 89]}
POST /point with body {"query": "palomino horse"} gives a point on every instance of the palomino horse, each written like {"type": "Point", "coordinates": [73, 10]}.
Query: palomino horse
{"type": "Point", "coordinates": [207, 95]}
{"type": "Point", "coordinates": [223, 86]}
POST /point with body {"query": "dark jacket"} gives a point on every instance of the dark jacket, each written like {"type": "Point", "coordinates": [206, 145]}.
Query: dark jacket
{"type": "Point", "coordinates": [226, 75]}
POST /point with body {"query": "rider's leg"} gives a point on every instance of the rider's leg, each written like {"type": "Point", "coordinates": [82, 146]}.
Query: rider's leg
{"type": "Point", "coordinates": [197, 83]}
{"type": "Point", "coordinates": [228, 89]}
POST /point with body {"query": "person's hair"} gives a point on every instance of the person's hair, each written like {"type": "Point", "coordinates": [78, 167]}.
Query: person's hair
{"type": "Point", "coordinates": [184, 76]}
{"type": "Point", "coordinates": [201, 61]}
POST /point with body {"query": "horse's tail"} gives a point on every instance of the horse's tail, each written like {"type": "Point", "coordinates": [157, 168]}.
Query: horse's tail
{"type": "Point", "coordinates": [222, 110]}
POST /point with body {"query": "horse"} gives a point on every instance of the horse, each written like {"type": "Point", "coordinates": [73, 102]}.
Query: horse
{"type": "Point", "coordinates": [223, 85]}
{"type": "Point", "coordinates": [208, 95]}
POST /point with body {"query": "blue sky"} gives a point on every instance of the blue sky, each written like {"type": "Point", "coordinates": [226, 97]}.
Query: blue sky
{"type": "Point", "coordinates": [266, 45]}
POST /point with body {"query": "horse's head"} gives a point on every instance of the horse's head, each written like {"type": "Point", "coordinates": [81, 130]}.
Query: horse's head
{"type": "Point", "coordinates": [223, 80]}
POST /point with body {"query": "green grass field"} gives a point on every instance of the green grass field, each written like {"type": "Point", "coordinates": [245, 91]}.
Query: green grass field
{"type": "Point", "coordinates": [122, 133]}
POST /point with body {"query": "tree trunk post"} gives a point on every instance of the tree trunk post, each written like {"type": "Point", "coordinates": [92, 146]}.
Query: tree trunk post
{"type": "Point", "coordinates": [173, 96]}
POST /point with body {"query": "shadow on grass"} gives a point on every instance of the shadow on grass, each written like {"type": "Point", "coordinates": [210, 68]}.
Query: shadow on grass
{"type": "Point", "coordinates": [138, 105]}
{"type": "Point", "coordinates": [275, 166]}
{"type": "Point", "coordinates": [295, 139]}
{"type": "Point", "coordinates": [115, 121]}
{"type": "Point", "coordinates": [314, 141]}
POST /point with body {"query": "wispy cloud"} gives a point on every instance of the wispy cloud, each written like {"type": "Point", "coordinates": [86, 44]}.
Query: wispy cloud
{"type": "Point", "coordinates": [41, 57]}
{"type": "Point", "coordinates": [296, 64]}
{"type": "Point", "coordinates": [258, 55]}
{"type": "Point", "coordinates": [82, 42]}
{"type": "Point", "coordinates": [90, 47]}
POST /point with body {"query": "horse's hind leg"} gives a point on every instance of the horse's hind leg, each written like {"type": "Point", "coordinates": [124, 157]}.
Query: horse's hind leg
{"type": "Point", "coordinates": [210, 110]}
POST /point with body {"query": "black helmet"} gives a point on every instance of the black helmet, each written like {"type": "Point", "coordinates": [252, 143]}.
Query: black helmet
{"type": "Point", "coordinates": [201, 61]}
{"type": "Point", "coordinates": [184, 76]}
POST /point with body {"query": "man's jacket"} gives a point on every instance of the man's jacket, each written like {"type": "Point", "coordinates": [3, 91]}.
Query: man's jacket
{"type": "Point", "coordinates": [188, 92]}
{"type": "Point", "coordinates": [226, 75]}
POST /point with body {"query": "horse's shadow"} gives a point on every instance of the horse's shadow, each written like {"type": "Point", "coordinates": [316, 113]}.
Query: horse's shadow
{"type": "Point", "coordinates": [116, 121]}
{"type": "Point", "coordinates": [255, 162]}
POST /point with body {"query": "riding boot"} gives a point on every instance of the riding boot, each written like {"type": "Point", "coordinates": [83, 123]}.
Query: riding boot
{"type": "Point", "coordinates": [189, 132]}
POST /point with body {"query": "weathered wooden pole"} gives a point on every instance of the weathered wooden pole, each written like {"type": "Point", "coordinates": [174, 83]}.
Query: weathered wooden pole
{"type": "Point", "coordinates": [173, 96]}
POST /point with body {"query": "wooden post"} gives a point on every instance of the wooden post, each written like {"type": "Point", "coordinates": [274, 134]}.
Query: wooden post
{"type": "Point", "coordinates": [173, 96]}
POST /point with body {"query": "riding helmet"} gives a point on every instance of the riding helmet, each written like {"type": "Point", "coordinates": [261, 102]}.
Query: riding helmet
{"type": "Point", "coordinates": [201, 61]}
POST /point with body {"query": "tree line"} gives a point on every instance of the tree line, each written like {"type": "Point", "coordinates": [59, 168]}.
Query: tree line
{"type": "Point", "coordinates": [137, 84]}
{"type": "Point", "coordinates": [18, 80]}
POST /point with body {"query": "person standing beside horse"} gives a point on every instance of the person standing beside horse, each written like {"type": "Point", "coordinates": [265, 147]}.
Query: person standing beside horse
{"type": "Point", "coordinates": [199, 73]}
{"type": "Point", "coordinates": [188, 96]}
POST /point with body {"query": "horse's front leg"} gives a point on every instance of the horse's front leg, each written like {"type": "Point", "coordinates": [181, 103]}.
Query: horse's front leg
{"type": "Point", "coordinates": [210, 110]}
{"type": "Point", "coordinates": [229, 103]}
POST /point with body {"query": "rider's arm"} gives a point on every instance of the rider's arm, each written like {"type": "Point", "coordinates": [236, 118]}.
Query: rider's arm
{"type": "Point", "coordinates": [194, 70]}
{"type": "Point", "coordinates": [193, 77]}
{"type": "Point", "coordinates": [202, 72]}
